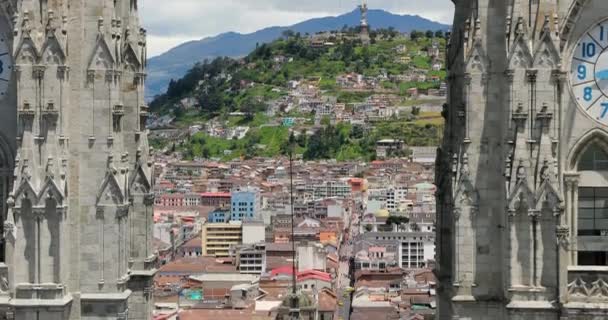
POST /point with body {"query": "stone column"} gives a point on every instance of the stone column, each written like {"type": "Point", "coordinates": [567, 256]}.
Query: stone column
{"type": "Point", "coordinates": [568, 196]}
{"type": "Point", "coordinates": [509, 74]}
{"type": "Point", "coordinates": [457, 213]}
{"type": "Point", "coordinates": [575, 222]}
{"type": "Point", "coordinates": [536, 240]}
{"type": "Point", "coordinates": [467, 108]}
{"type": "Point", "coordinates": [534, 232]}
{"type": "Point", "coordinates": [563, 235]}
{"type": "Point", "coordinates": [571, 214]}
{"type": "Point", "coordinates": [512, 235]}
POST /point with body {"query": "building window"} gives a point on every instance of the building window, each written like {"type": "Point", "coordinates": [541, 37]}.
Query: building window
{"type": "Point", "coordinates": [592, 211]}
{"type": "Point", "coordinates": [594, 159]}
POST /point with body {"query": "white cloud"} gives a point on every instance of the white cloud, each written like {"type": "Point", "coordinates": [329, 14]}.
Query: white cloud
{"type": "Point", "coordinates": [170, 23]}
{"type": "Point", "coordinates": [160, 44]}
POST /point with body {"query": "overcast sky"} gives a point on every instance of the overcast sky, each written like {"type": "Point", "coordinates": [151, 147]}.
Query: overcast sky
{"type": "Point", "coordinates": [172, 22]}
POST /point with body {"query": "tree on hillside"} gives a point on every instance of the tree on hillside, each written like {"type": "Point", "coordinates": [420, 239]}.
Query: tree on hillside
{"type": "Point", "coordinates": [251, 106]}
{"type": "Point", "coordinates": [414, 35]}
{"type": "Point", "coordinates": [439, 34]}
{"type": "Point", "coordinates": [415, 111]}
{"type": "Point", "coordinates": [430, 34]}
{"type": "Point", "coordinates": [357, 132]}
{"type": "Point", "coordinates": [288, 34]}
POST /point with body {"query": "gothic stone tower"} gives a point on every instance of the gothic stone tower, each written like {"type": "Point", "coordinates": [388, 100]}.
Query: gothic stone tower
{"type": "Point", "coordinates": [74, 168]}
{"type": "Point", "coordinates": [523, 170]}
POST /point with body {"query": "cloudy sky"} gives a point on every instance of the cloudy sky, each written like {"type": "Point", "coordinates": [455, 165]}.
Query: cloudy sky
{"type": "Point", "coordinates": [172, 22]}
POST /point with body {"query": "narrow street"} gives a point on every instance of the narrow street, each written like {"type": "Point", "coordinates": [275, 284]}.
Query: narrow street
{"type": "Point", "coordinates": [346, 268]}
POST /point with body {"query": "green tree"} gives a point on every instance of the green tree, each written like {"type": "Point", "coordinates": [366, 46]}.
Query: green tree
{"type": "Point", "coordinates": [206, 153]}
{"type": "Point", "coordinates": [415, 111]}
{"type": "Point", "coordinates": [414, 35]}
{"type": "Point", "coordinates": [357, 132]}
{"type": "Point", "coordinates": [325, 121]}
{"type": "Point", "coordinates": [287, 34]}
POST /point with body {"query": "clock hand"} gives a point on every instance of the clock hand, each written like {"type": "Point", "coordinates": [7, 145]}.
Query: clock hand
{"type": "Point", "coordinates": [602, 75]}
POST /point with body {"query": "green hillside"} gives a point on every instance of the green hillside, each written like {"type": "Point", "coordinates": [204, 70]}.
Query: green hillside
{"type": "Point", "coordinates": [219, 88]}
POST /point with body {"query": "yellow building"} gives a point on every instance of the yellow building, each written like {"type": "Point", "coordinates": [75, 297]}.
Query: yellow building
{"type": "Point", "coordinates": [217, 237]}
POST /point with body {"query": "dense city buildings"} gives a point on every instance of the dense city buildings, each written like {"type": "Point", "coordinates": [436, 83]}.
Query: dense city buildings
{"type": "Point", "coordinates": [383, 219]}
{"type": "Point", "coordinates": [312, 197]}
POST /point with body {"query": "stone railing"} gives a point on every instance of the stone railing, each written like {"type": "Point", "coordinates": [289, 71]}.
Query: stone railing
{"type": "Point", "coordinates": [588, 284]}
{"type": "Point", "coordinates": [43, 291]}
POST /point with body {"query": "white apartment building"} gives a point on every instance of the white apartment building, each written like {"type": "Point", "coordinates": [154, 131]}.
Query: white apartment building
{"type": "Point", "coordinates": [415, 248]}
{"type": "Point", "coordinates": [330, 189]}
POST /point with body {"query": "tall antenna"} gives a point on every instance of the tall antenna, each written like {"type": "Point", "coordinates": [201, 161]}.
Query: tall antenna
{"type": "Point", "coordinates": [295, 311]}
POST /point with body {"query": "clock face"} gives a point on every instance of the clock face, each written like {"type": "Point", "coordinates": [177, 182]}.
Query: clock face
{"type": "Point", "coordinates": [589, 72]}
{"type": "Point", "coordinates": [6, 67]}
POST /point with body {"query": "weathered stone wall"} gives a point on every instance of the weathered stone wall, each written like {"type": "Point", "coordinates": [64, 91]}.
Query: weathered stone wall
{"type": "Point", "coordinates": [78, 229]}
{"type": "Point", "coordinates": [507, 169]}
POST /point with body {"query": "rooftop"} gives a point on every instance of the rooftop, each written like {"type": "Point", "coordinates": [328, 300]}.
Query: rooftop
{"type": "Point", "coordinates": [197, 265]}
{"type": "Point", "coordinates": [229, 277]}
{"type": "Point", "coordinates": [224, 314]}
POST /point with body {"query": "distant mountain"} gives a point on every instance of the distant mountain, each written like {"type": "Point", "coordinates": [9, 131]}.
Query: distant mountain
{"type": "Point", "coordinates": [177, 61]}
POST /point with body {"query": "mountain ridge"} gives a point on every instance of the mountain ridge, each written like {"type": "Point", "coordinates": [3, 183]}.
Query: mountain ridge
{"type": "Point", "coordinates": [174, 63]}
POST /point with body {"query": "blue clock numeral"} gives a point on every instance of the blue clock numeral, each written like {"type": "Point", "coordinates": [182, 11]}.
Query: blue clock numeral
{"type": "Point", "coordinates": [582, 72]}
{"type": "Point", "coordinates": [1, 67]}
{"type": "Point", "coordinates": [588, 49]}
{"type": "Point", "coordinates": [588, 94]}
{"type": "Point", "coordinates": [601, 33]}
{"type": "Point", "coordinates": [605, 111]}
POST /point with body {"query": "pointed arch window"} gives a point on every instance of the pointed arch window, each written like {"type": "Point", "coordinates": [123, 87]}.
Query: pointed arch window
{"type": "Point", "coordinates": [592, 206]}
{"type": "Point", "coordinates": [594, 158]}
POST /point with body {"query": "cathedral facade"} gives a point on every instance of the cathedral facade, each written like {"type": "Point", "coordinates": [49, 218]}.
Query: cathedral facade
{"type": "Point", "coordinates": [75, 175]}
{"type": "Point", "coordinates": [523, 171]}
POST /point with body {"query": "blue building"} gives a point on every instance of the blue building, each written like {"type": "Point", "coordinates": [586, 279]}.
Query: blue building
{"type": "Point", "coordinates": [246, 203]}
{"type": "Point", "coordinates": [219, 216]}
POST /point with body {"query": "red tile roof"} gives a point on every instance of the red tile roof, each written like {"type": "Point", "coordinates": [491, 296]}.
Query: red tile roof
{"type": "Point", "coordinates": [282, 270]}
{"type": "Point", "coordinates": [224, 314]}
{"type": "Point", "coordinates": [313, 274]}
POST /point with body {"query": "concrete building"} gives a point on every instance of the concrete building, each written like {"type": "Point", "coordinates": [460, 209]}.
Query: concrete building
{"type": "Point", "coordinates": [254, 232]}
{"type": "Point", "coordinates": [75, 176]}
{"type": "Point", "coordinates": [311, 256]}
{"type": "Point", "coordinates": [215, 199]}
{"type": "Point", "coordinates": [246, 204]}
{"type": "Point", "coordinates": [388, 147]}
{"type": "Point", "coordinates": [415, 249]}
{"type": "Point", "coordinates": [217, 285]}
{"type": "Point", "coordinates": [424, 155]}
{"type": "Point", "coordinates": [219, 216]}
{"type": "Point", "coordinates": [251, 258]}
{"type": "Point", "coordinates": [192, 200]}
{"type": "Point", "coordinates": [376, 256]}
{"type": "Point", "coordinates": [218, 237]}
{"type": "Point", "coordinates": [330, 189]}
{"type": "Point", "coordinates": [521, 173]}
{"type": "Point", "coordinates": [396, 198]}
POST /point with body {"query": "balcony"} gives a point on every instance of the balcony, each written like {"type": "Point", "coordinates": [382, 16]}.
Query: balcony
{"type": "Point", "coordinates": [118, 110]}
{"type": "Point", "coordinates": [587, 287]}
{"type": "Point", "coordinates": [26, 110]}
{"type": "Point", "coordinates": [50, 110]}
